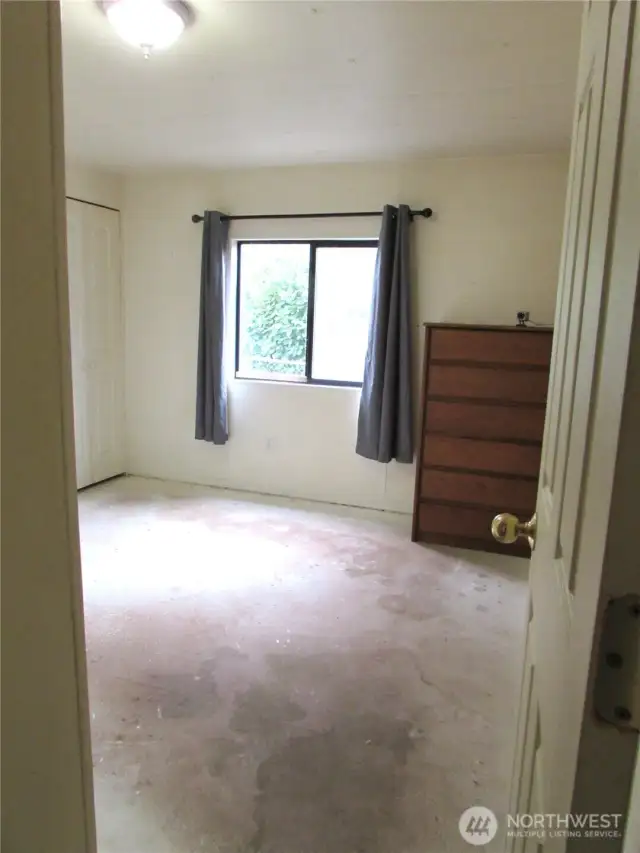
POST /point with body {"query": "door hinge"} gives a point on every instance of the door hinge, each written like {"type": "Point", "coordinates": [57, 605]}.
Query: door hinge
{"type": "Point", "coordinates": [617, 686]}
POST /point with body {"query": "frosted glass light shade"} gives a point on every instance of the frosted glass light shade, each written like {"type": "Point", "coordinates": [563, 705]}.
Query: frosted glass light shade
{"type": "Point", "coordinates": [148, 24]}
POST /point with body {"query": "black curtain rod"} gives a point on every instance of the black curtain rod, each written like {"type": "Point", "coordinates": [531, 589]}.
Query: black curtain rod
{"type": "Point", "coordinates": [426, 212]}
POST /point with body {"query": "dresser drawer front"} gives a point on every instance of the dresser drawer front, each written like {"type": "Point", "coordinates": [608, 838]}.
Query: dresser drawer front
{"type": "Point", "coordinates": [473, 420]}
{"type": "Point", "coordinates": [502, 494]}
{"type": "Point", "coordinates": [499, 456]}
{"type": "Point", "coordinates": [462, 527]}
{"type": "Point", "coordinates": [518, 347]}
{"type": "Point", "coordinates": [456, 521]}
{"type": "Point", "coordinates": [484, 383]}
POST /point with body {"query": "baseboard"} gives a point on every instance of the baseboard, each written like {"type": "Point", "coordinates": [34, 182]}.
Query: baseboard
{"type": "Point", "coordinates": [227, 488]}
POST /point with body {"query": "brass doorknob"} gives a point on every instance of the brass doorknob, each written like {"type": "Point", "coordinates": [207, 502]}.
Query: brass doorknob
{"type": "Point", "coordinates": [507, 528]}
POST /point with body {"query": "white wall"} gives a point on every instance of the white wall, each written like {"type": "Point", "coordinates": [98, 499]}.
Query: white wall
{"type": "Point", "coordinates": [491, 249]}
{"type": "Point", "coordinates": [95, 185]}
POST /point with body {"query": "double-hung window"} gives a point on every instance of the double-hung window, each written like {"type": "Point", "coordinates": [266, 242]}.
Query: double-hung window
{"type": "Point", "coordinates": [303, 308]}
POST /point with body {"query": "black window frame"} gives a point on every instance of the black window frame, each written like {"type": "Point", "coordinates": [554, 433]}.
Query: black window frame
{"type": "Point", "coordinates": [314, 245]}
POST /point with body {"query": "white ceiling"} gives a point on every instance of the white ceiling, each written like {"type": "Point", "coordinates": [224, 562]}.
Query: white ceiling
{"type": "Point", "coordinates": [288, 82]}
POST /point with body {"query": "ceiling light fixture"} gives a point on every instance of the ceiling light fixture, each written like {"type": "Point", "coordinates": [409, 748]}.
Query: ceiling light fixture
{"type": "Point", "coordinates": [148, 24]}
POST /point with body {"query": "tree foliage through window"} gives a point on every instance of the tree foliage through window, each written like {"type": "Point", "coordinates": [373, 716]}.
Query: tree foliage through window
{"type": "Point", "coordinates": [275, 287]}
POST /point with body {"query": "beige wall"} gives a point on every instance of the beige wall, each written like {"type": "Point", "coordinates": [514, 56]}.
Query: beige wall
{"type": "Point", "coordinates": [95, 185]}
{"type": "Point", "coordinates": [46, 758]}
{"type": "Point", "coordinates": [491, 249]}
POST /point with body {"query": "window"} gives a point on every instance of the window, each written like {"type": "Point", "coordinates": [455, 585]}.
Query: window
{"type": "Point", "coordinates": [303, 310]}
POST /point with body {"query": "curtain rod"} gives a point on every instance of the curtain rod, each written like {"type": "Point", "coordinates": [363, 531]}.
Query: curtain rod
{"type": "Point", "coordinates": [426, 212]}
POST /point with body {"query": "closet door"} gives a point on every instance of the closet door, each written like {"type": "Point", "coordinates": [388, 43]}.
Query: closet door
{"type": "Point", "coordinates": [96, 340]}
{"type": "Point", "coordinates": [79, 354]}
{"type": "Point", "coordinates": [103, 317]}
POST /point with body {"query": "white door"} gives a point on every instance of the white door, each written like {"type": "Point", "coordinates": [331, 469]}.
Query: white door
{"type": "Point", "coordinates": [79, 356]}
{"type": "Point", "coordinates": [93, 238]}
{"type": "Point", "coordinates": [576, 746]}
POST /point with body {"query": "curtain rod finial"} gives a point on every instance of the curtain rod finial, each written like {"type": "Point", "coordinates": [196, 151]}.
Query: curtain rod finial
{"type": "Point", "coordinates": [197, 218]}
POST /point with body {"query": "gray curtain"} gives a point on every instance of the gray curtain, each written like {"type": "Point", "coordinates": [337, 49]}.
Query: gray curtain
{"type": "Point", "coordinates": [211, 394]}
{"type": "Point", "coordinates": [385, 426]}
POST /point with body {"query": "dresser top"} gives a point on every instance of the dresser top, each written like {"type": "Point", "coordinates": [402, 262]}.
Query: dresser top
{"type": "Point", "coordinates": [479, 326]}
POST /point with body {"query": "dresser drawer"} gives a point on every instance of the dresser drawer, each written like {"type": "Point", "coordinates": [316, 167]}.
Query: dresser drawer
{"type": "Point", "coordinates": [462, 527]}
{"type": "Point", "coordinates": [502, 494]}
{"type": "Point", "coordinates": [455, 520]}
{"type": "Point", "coordinates": [517, 347]}
{"type": "Point", "coordinates": [476, 420]}
{"type": "Point", "coordinates": [485, 383]}
{"type": "Point", "coordinates": [499, 456]}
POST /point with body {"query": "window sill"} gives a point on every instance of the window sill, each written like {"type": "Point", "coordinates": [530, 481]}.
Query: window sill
{"type": "Point", "coordinates": [292, 383]}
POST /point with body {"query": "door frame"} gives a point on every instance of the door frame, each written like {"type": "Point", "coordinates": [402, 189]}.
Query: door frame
{"type": "Point", "coordinates": [47, 766]}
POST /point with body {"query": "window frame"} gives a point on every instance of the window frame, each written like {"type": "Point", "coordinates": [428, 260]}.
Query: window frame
{"type": "Point", "coordinates": [314, 245]}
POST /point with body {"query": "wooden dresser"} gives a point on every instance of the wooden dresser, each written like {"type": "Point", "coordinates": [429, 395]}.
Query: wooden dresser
{"type": "Point", "coordinates": [483, 404]}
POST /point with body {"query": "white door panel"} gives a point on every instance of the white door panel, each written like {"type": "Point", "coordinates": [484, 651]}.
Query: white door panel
{"type": "Point", "coordinates": [79, 355]}
{"type": "Point", "coordinates": [567, 759]}
{"type": "Point", "coordinates": [97, 340]}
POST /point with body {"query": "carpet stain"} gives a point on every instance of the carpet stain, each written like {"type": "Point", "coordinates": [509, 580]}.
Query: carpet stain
{"type": "Point", "coordinates": [337, 791]}
{"type": "Point", "coordinates": [263, 710]}
{"type": "Point", "coordinates": [180, 695]}
{"type": "Point", "coordinates": [403, 605]}
{"type": "Point", "coordinates": [222, 750]}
